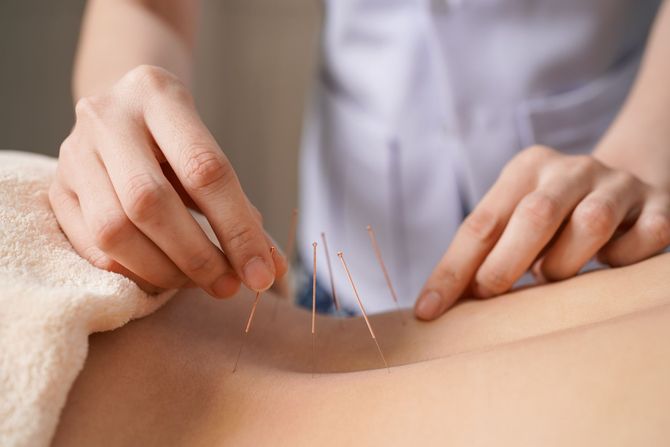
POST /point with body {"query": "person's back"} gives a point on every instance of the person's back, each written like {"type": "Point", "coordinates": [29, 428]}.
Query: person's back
{"type": "Point", "coordinates": [583, 362]}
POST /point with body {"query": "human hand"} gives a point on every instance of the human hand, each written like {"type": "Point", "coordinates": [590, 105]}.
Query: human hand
{"type": "Point", "coordinates": [138, 155]}
{"type": "Point", "coordinates": [552, 212]}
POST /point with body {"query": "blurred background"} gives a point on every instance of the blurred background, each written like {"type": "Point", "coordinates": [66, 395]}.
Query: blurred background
{"type": "Point", "coordinates": [254, 65]}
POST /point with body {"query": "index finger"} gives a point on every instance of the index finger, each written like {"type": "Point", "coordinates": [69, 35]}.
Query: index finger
{"type": "Point", "coordinates": [474, 239]}
{"type": "Point", "coordinates": [210, 180]}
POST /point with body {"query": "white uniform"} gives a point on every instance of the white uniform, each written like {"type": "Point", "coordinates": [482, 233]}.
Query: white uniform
{"type": "Point", "coordinates": [418, 105]}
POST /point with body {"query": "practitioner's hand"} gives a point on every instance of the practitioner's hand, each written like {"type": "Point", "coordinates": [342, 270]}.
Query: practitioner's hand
{"type": "Point", "coordinates": [138, 155]}
{"type": "Point", "coordinates": [551, 212]}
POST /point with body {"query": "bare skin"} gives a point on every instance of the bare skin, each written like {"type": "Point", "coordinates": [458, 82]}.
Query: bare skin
{"type": "Point", "coordinates": [580, 362]}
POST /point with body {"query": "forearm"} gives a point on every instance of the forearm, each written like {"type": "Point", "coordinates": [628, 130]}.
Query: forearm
{"type": "Point", "coordinates": [639, 139]}
{"type": "Point", "coordinates": [118, 35]}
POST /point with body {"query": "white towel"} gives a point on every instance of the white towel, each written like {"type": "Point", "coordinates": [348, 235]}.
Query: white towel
{"type": "Point", "coordinates": [51, 299]}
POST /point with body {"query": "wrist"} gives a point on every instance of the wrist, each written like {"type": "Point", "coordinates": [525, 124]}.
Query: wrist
{"type": "Point", "coordinates": [643, 154]}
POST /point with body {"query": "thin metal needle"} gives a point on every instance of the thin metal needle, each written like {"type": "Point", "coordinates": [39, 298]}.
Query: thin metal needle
{"type": "Point", "coordinates": [360, 304]}
{"type": "Point", "coordinates": [378, 253]}
{"type": "Point", "coordinates": [247, 328]}
{"type": "Point", "coordinates": [314, 312]}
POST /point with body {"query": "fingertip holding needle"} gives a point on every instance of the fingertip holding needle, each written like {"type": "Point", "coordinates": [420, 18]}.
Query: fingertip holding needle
{"type": "Point", "coordinates": [360, 305]}
{"type": "Point", "coordinates": [247, 328]}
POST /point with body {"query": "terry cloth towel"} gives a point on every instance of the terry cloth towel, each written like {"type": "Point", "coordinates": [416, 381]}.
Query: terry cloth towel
{"type": "Point", "coordinates": [51, 299]}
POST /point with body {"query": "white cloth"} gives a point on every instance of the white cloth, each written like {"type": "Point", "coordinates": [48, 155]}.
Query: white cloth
{"type": "Point", "coordinates": [50, 301]}
{"type": "Point", "coordinates": [418, 105]}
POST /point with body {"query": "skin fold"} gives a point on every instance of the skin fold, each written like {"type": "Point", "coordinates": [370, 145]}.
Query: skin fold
{"type": "Point", "coordinates": [580, 362]}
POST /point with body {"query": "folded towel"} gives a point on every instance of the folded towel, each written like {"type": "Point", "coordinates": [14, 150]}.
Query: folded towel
{"type": "Point", "coordinates": [51, 299]}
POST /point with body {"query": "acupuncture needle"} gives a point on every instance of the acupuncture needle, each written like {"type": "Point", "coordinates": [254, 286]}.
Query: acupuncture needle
{"type": "Point", "coordinates": [314, 312]}
{"type": "Point", "coordinates": [250, 319]}
{"type": "Point", "coordinates": [378, 253]}
{"type": "Point", "coordinates": [247, 328]}
{"type": "Point", "coordinates": [290, 244]}
{"type": "Point", "coordinates": [360, 305]}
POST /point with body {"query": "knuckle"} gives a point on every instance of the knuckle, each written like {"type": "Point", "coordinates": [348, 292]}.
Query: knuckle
{"type": "Point", "coordinates": [89, 108]}
{"type": "Point", "coordinates": [596, 216]}
{"type": "Point", "coordinates": [582, 166]}
{"type": "Point", "coordinates": [199, 263]}
{"type": "Point", "coordinates": [146, 75]}
{"type": "Point", "coordinates": [158, 80]}
{"type": "Point", "coordinates": [540, 209]}
{"type": "Point", "coordinates": [535, 153]}
{"type": "Point", "coordinates": [144, 196]}
{"type": "Point", "coordinates": [446, 274]}
{"type": "Point", "coordinates": [110, 230]}
{"type": "Point", "coordinates": [495, 280]}
{"type": "Point", "coordinates": [204, 169]}
{"type": "Point", "coordinates": [483, 225]}
{"type": "Point", "coordinates": [625, 180]}
{"type": "Point", "coordinates": [529, 161]}
{"type": "Point", "coordinates": [241, 238]}
{"type": "Point", "coordinates": [658, 226]}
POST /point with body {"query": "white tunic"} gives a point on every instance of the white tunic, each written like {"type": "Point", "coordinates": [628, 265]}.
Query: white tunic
{"type": "Point", "coordinates": [418, 105]}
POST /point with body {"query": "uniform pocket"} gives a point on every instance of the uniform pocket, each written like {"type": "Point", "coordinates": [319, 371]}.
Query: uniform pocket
{"type": "Point", "coordinates": [575, 120]}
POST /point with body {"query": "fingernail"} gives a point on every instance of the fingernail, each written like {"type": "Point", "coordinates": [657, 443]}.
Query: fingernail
{"type": "Point", "coordinates": [258, 275]}
{"type": "Point", "coordinates": [225, 285]}
{"type": "Point", "coordinates": [429, 305]}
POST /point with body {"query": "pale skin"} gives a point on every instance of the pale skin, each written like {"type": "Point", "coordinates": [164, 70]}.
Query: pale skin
{"type": "Point", "coordinates": [127, 174]}
{"type": "Point", "coordinates": [577, 362]}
